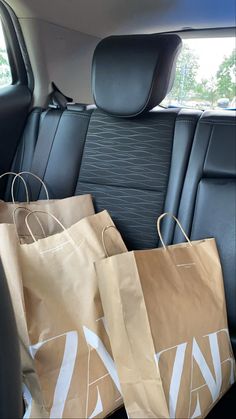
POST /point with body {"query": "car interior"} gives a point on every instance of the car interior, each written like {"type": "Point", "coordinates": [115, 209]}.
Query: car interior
{"type": "Point", "coordinates": [86, 105]}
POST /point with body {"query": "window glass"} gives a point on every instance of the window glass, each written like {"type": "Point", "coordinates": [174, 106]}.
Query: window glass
{"type": "Point", "coordinates": [205, 75]}
{"type": "Point", "coordinates": [5, 70]}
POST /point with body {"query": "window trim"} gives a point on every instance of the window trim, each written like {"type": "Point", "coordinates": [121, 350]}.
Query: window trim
{"type": "Point", "coordinates": [18, 58]}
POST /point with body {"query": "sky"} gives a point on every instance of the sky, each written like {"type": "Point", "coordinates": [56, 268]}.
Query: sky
{"type": "Point", "coordinates": [211, 52]}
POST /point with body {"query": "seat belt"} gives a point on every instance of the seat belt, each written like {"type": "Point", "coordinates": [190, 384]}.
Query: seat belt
{"type": "Point", "coordinates": [43, 149]}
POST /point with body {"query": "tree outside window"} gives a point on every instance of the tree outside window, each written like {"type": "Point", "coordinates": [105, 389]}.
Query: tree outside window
{"type": "Point", "coordinates": [5, 70]}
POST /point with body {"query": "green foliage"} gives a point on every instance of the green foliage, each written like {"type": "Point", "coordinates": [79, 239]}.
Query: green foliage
{"type": "Point", "coordinates": [206, 90]}
{"type": "Point", "coordinates": [5, 74]}
{"type": "Point", "coordinates": [186, 86]}
{"type": "Point", "coordinates": [226, 77]}
{"type": "Point", "coordinates": [3, 60]}
{"type": "Point", "coordinates": [185, 78]}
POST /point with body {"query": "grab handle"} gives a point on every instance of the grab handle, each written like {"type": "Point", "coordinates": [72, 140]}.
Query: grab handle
{"type": "Point", "coordinates": [178, 223]}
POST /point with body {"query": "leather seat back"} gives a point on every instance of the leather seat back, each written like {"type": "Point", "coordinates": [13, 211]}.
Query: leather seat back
{"type": "Point", "coordinates": [208, 202]}
{"type": "Point", "coordinates": [122, 153]}
{"type": "Point", "coordinates": [51, 147]}
{"type": "Point", "coordinates": [125, 166]}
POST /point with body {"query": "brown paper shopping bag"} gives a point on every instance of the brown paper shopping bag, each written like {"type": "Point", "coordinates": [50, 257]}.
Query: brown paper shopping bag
{"type": "Point", "coordinates": [68, 210]}
{"type": "Point", "coordinates": [166, 316]}
{"type": "Point", "coordinates": [65, 323]}
{"type": "Point", "coordinates": [10, 259]}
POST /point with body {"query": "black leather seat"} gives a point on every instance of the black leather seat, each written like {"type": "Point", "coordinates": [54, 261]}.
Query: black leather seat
{"type": "Point", "coordinates": [135, 162]}
{"type": "Point", "coordinates": [208, 209]}
{"type": "Point", "coordinates": [208, 201]}
{"type": "Point", "coordinates": [120, 152]}
{"type": "Point", "coordinates": [51, 147]}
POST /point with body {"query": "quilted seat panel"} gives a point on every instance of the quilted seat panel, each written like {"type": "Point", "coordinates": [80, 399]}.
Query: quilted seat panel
{"type": "Point", "coordinates": [125, 166]}
{"type": "Point", "coordinates": [134, 211]}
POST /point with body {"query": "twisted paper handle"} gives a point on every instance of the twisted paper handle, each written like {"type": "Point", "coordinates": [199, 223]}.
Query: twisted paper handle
{"type": "Point", "coordinates": [33, 175]}
{"type": "Point", "coordinates": [178, 223]}
{"type": "Point", "coordinates": [12, 191]}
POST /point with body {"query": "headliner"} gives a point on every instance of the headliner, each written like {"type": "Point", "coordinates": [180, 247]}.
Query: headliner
{"type": "Point", "coordinates": [104, 17]}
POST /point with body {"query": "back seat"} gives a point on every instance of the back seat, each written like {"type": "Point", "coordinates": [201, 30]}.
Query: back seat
{"type": "Point", "coordinates": [120, 154]}
{"type": "Point", "coordinates": [208, 202]}
{"type": "Point", "coordinates": [137, 163]}
{"type": "Point", "coordinates": [123, 163]}
{"type": "Point", "coordinates": [208, 209]}
{"type": "Point", "coordinates": [51, 147]}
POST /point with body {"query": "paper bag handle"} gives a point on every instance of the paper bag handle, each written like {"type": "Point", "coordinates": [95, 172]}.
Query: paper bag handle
{"type": "Point", "coordinates": [178, 223]}
{"type": "Point", "coordinates": [24, 183]}
{"type": "Point", "coordinates": [54, 218]}
{"type": "Point", "coordinates": [31, 174]}
{"type": "Point", "coordinates": [103, 238]}
{"type": "Point", "coordinates": [27, 210]}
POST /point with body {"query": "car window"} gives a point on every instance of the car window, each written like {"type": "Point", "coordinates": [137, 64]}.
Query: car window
{"type": "Point", "coordinates": [5, 70]}
{"type": "Point", "coordinates": [205, 75]}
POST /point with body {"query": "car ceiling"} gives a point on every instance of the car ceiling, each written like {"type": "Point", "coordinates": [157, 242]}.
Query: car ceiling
{"type": "Point", "coordinates": [104, 17]}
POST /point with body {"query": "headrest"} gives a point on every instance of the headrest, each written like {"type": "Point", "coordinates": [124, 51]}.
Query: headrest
{"type": "Point", "coordinates": [133, 73]}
